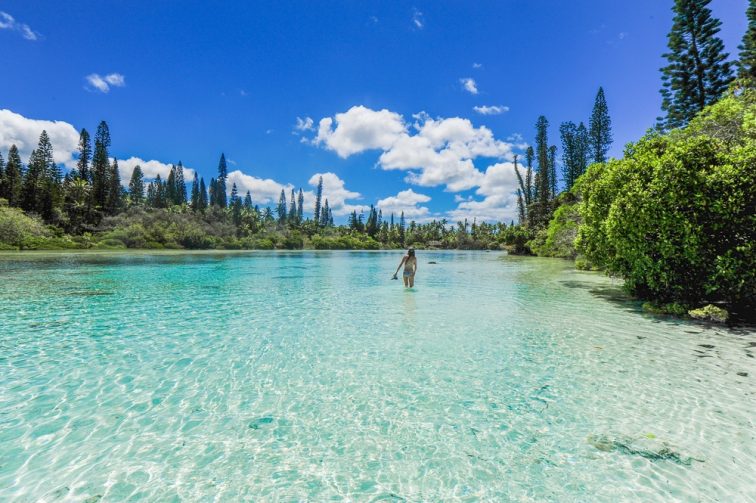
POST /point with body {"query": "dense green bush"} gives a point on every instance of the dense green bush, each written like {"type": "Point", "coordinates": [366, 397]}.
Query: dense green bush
{"type": "Point", "coordinates": [346, 242]}
{"type": "Point", "coordinates": [515, 239]}
{"type": "Point", "coordinates": [18, 229]}
{"type": "Point", "coordinates": [677, 217]}
{"type": "Point", "coordinates": [558, 239]}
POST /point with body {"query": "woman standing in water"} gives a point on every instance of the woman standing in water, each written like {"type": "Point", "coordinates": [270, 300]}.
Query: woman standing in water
{"type": "Point", "coordinates": [409, 262]}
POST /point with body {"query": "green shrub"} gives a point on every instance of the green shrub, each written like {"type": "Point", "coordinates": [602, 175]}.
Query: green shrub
{"type": "Point", "coordinates": [110, 244]}
{"type": "Point", "coordinates": [263, 244]}
{"type": "Point", "coordinates": [676, 217]}
{"type": "Point", "coordinates": [558, 239]}
{"type": "Point", "coordinates": [710, 313]}
{"type": "Point", "coordinates": [515, 239]}
{"type": "Point", "coordinates": [293, 241]}
{"type": "Point", "coordinates": [672, 308]}
{"type": "Point", "coordinates": [49, 243]}
{"type": "Point", "coordinates": [17, 228]}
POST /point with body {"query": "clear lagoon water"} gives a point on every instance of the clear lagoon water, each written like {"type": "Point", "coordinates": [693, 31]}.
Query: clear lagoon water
{"type": "Point", "coordinates": [313, 377]}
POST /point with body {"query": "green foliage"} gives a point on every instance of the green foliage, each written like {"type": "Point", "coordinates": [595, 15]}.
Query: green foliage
{"type": "Point", "coordinates": [16, 228]}
{"type": "Point", "coordinates": [558, 239]}
{"type": "Point", "coordinates": [710, 312]}
{"type": "Point", "coordinates": [220, 183]}
{"type": "Point", "coordinates": [599, 129]}
{"type": "Point", "coordinates": [353, 241]}
{"type": "Point", "coordinates": [516, 240]}
{"type": "Point", "coordinates": [747, 62]}
{"type": "Point", "coordinates": [574, 152]}
{"type": "Point", "coordinates": [672, 308]}
{"type": "Point", "coordinates": [676, 216]}
{"type": "Point", "coordinates": [136, 186]}
{"type": "Point", "coordinates": [698, 72]}
{"type": "Point", "coordinates": [101, 168]}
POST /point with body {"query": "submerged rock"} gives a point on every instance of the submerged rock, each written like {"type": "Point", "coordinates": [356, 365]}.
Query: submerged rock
{"type": "Point", "coordinates": [260, 422]}
{"type": "Point", "coordinates": [645, 447]}
{"type": "Point", "coordinates": [710, 313]}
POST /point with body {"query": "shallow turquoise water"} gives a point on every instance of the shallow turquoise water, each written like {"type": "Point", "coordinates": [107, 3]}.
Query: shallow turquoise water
{"type": "Point", "coordinates": [312, 377]}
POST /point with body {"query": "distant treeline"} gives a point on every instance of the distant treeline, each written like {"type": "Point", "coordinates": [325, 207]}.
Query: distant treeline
{"type": "Point", "coordinates": [87, 207]}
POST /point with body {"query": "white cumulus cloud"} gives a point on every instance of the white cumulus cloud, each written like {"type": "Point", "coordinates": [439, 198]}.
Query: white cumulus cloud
{"type": "Point", "coordinates": [266, 191]}
{"type": "Point", "coordinates": [334, 189]}
{"type": "Point", "coordinates": [305, 124]}
{"type": "Point", "coordinates": [498, 189]}
{"type": "Point", "coordinates": [491, 110]}
{"type": "Point", "coordinates": [407, 201]}
{"type": "Point", "coordinates": [469, 85]}
{"type": "Point", "coordinates": [104, 83]}
{"type": "Point", "coordinates": [8, 22]}
{"type": "Point", "coordinates": [359, 129]}
{"type": "Point", "coordinates": [151, 169]}
{"type": "Point", "coordinates": [263, 190]}
{"type": "Point", "coordinates": [15, 129]}
{"type": "Point", "coordinates": [433, 151]}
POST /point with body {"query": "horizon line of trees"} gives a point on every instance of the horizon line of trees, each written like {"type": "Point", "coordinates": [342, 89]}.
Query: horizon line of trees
{"type": "Point", "coordinates": [80, 200]}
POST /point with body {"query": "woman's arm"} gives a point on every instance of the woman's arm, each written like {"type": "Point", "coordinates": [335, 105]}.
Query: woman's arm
{"type": "Point", "coordinates": [400, 265]}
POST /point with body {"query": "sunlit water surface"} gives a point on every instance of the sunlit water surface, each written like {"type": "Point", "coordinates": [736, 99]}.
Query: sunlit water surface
{"type": "Point", "coordinates": [312, 376]}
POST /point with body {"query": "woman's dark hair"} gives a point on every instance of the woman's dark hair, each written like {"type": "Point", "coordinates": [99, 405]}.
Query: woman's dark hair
{"type": "Point", "coordinates": [411, 252]}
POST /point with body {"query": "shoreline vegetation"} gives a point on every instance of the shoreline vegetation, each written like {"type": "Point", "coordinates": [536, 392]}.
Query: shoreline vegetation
{"type": "Point", "coordinates": [675, 217]}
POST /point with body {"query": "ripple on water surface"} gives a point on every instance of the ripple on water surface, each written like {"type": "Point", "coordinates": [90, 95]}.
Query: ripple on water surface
{"type": "Point", "coordinates": [313, 376]}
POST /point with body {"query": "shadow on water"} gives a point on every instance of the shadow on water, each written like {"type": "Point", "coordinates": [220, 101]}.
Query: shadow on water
{"type": "Point", "coordinates": [613, 294]}
{"type": "Point", "coordinates": [624, 301]}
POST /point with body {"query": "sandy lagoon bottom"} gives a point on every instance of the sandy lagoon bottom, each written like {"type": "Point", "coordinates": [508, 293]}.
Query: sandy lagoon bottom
{"type": "Point", "coordinates": [311, 377]}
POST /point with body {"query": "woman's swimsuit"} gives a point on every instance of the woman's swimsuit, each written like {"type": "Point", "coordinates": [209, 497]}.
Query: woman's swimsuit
{"type": "Point", "coordinates": [407, 271]}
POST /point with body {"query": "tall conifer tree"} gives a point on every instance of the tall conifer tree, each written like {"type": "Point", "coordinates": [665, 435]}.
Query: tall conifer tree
{"type": "Point", "coordinates": [13, 180]}
{"type": "Point", "coordinates": [85, 156]}
{"type": "Point", "coordinates": [529, 191]}
{"type": "Point", "coordinates": [170, 186]}
{"type": "Point", "coordinates": [318, 197]}
{"type": "Point", "coordinates": [101, 166]}
{"type": "Point", "coordinates": [50, 190]}
{"type": "Point", "coordinates": [195, 200]}
{"type": "Point", "coordinates": [115, 192]}
{"type": "Point", "coordinates": [543, 184]}
{"type": "Point", "coordinates": [32, 181]}
{"type": "Point", "coordinates": [136, 186]}
{"type": "Point", "coordinates": [698, 71]}
{"type": "Point", "coordinates": [552, 171]}
{"type": "Point", "coordinates": [324, 212]}
{"type": "Point", "coordinates": [281, 209]}
{"type": "Point", "coordinates": [300, 206]}
{"type": "Point", "coordinates": [180, 185]}
{"type": "Point", "coordinates": [234, 193]}
{"type": "Point", "coordinates": [747, 62]}
{"type": "Point", "coordinates": [402, 228]}
{"type": "Point", "coordinates": [293, 208]}
{"type": "Point", "coordinates": [220, 183]}
{"type": "Point", "coordinates": [600, 128]}
{"type": "Point", "coordinates": [202, 195]}
{"type": "Point", "coordinates": [213, 199]}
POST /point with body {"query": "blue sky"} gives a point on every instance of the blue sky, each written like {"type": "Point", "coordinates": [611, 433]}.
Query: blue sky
{"type": "Point", "coordinates": [187, 80]}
